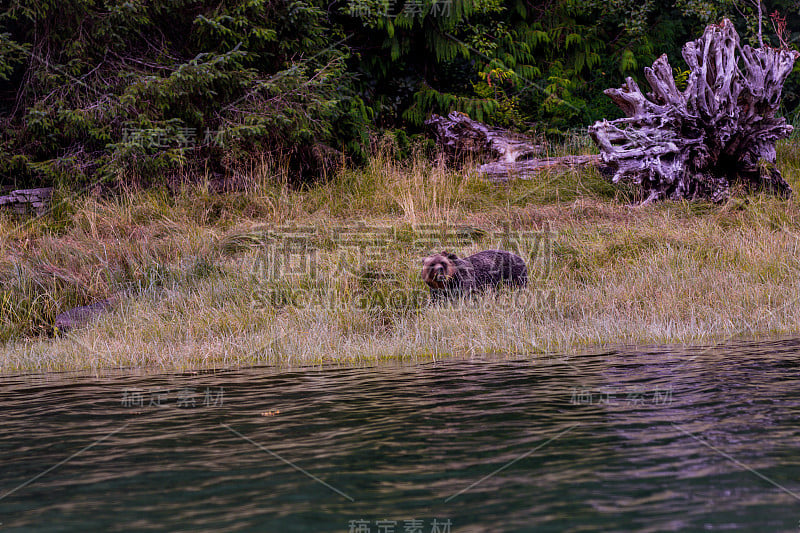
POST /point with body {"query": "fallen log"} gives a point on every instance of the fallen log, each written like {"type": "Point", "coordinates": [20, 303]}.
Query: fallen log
{"type": "Point", "coordinates": [80, 316]}
{"type": "Point", "coordinates": [720, 130]}
{"type": "Point", "coordinates": [21, 200]}
{"type": "Point", "coordinates": [462, 138]}
{"type": "Point", "coordinates": [505, 170]}
{"type": "Point", "coordinates": [503, 154]}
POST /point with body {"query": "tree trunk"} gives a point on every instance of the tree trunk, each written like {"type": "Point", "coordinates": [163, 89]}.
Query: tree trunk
{"type": "Point", "coordinates": [720, 130]}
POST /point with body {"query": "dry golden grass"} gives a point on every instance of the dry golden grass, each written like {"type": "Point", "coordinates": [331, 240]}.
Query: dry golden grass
{"type": "Point", "coordinates": [200, 293]}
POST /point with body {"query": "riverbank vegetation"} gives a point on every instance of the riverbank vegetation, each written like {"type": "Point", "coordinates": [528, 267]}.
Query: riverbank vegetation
{"type": "Point", "coordinates": [329, 273]}
{"type": "Point", "coordinates": [251, 183]}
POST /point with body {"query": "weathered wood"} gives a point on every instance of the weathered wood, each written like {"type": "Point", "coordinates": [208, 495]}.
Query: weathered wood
{"type": "Point", "coordinates": [80, 316]}
{"type": "Point", "coordinates": [504, 154]}
{"type": "Point", "coordinates": [461, 137]}
{"type": "Point", "coordinates": [720, 130]}
{"type": "Point", "coordinates": [20, 200]}
{"type": "Point", "coordinates": [503, 170]}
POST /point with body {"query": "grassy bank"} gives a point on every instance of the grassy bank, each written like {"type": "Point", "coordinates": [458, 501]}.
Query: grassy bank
{"type": "Point", "coordinates": [330, 273]}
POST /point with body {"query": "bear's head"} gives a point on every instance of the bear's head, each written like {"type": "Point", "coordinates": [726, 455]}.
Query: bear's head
{"type": "Point", "coordinates": [438, 269]}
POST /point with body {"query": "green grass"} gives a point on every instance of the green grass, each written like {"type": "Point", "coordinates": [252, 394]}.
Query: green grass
{"type": "Point", "coordinates": [200, 292]}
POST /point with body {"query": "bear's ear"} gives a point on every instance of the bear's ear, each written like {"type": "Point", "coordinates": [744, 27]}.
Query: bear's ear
{"type": "Point", "coordinates": [450, 255]}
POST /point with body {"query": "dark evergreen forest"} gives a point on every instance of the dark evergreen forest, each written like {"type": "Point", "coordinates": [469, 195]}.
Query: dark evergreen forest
{"type": "Point", "coordinates": [138, 91]}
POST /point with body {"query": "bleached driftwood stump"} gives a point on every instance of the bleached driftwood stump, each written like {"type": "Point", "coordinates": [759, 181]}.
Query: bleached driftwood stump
{"type": "Point", "coordinates": [721, 130]}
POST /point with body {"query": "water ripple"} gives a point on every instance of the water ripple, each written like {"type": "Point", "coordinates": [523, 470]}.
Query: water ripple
{"type": "Point", "coordinates": [647, 439]}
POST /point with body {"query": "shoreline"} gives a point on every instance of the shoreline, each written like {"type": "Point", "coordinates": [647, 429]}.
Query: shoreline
{"type": "Point", "coordinates": [226, 280]}
{"type": "Point", "coordinates": [553, 358]}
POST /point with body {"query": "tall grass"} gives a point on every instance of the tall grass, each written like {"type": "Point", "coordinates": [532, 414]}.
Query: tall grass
{"type": "Point", "coordinates": [201, 290]}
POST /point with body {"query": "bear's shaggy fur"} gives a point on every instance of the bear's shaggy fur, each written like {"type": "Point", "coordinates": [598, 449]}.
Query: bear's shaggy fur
{"type": "Point", "coordinates": [448, 276]}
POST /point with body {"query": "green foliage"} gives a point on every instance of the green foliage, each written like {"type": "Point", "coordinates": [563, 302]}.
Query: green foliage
{"type": "Point", "coordinates": [153, 89]}
{"type": "Point", "coordinates": [147, 91]}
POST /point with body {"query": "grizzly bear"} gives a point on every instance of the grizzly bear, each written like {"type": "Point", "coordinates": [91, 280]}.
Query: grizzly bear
{"type": "Point", "coordinates": [448, 276]}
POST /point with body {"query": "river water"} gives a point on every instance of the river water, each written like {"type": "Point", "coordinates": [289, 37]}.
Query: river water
{"type": "Point", "coordinates": [646, 439]}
